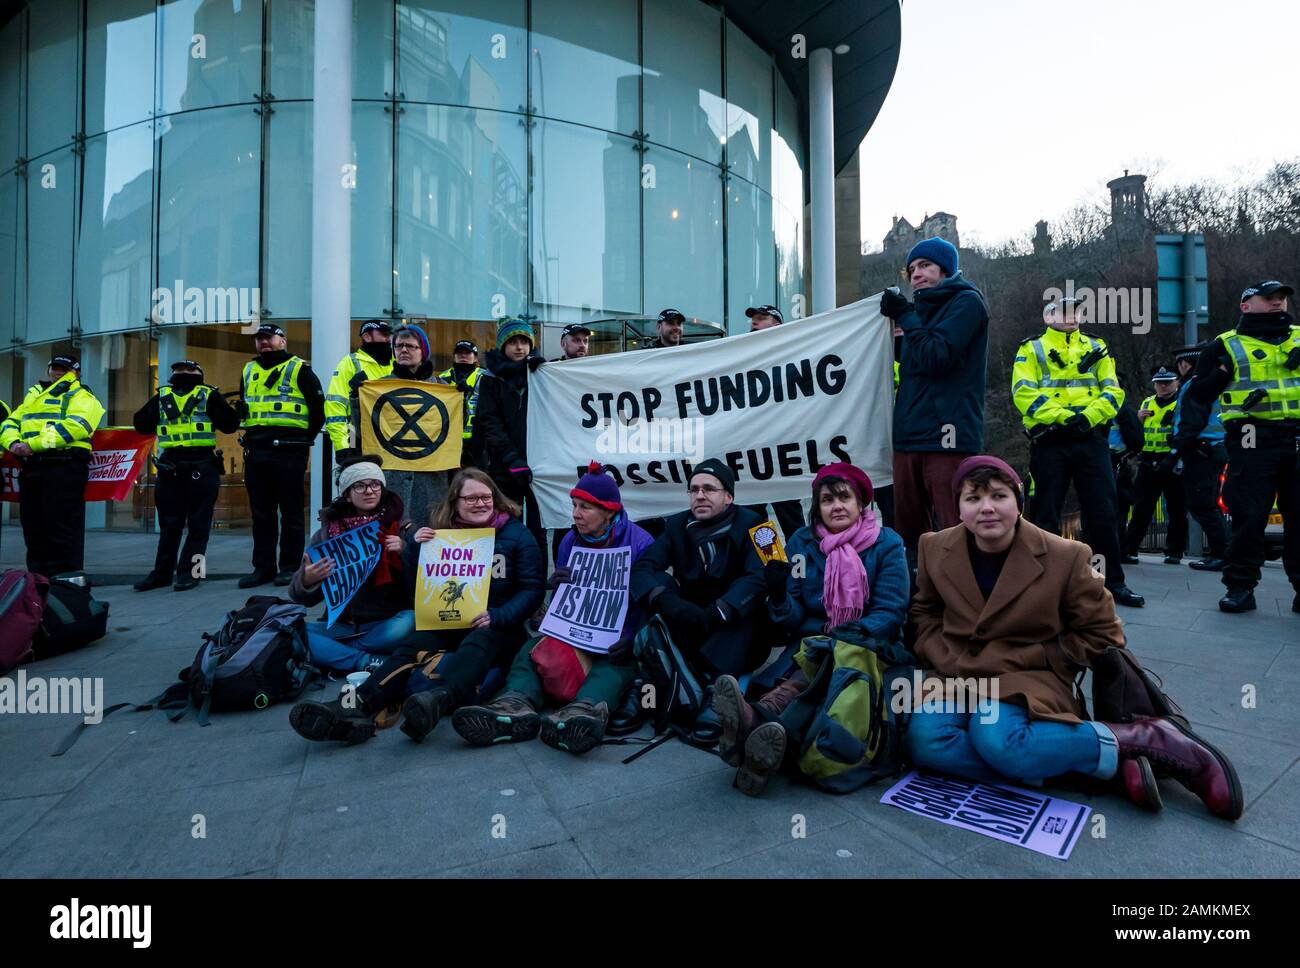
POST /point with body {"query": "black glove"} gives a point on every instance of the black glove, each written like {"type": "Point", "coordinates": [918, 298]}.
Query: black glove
{"type": "Point", "coordinates": [776, 574]}
{"type": "Point", "coordinates": [523, 476]}
{"type": "Point", "coordinates": [620, 653]}
{"type": "Point", "coordinates": [534, 361]}
{"type": "Point", "coordinates": [1078, 425]}
{"type": "Point", "coordinates": [559, 577]}
{"type": "Point", "coordinates": [680, 613]}
{"type": "Point", "coordinates": [893, 304]}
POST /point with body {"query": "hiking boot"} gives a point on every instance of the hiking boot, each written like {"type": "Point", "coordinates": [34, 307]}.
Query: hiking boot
{"type": "Point", "coordinates": [510, 718]}
{"type": "Point", "coordinates": [184, 583]}
{"type": "Point", "coordinates": [1186, 757]}
{"type": "Point", "coordinates": [1138, 781]}
{"type": "Point", "coordinates": [421, 711]}
{"type": "Point", "coordinates": [776, 699]}
{"type": "Point", "coordinates": [1208, 564]}
{"type": "Point", "coordinates": [1124, 595]}
{"type": "Point", "coordinates": [331, 720]}
{"type": "Point", "coordinates": [1129, 559]}
{"type": "Point", "coordinates": [1241, 600]}
{"type": "Point", "coordinates": [737, 717]}
{"type": "Point", "coordinates": [150, 582]}
{"type": "Point", "coordinates": [284, 578]}
{"type": "Point", "coordinates": [764, 751]}
{"type": "Point", "coordinates": [579, 727]}
{"type": "Point", "coordinates": [1173, 559]}
{"type": "Point", "coordinates": [259, 576]}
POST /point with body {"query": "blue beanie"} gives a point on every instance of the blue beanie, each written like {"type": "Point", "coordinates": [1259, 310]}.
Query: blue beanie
{"type": "Point", "coordinates": [939, 251]}
{"type": "Point", "coordinates": [419, 334]}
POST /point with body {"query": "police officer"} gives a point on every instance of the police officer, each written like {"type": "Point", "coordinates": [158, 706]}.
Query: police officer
{"type": "Point", "coordinates": [50, 433]}
{"type": "Point", "coordinates": [574, 342]}
{"type": "Point", "coordinates": [185, 414]}
{"type": "Point", "coordinates": [1254, 370]}
{"type": "Point", "coordinates": [1156, 477]}
{"type": "Point", "coordinates": [1063, 383]}
{"type": "Point", "coordinates": [374, 359]}
{"type": "Point", "coordinates": [465, 373]}
{"type": "Point", "coordinates": [668, 330]}
{"type": "Point", "coordinates": [1202, 459]}
{"type": "Point", "coordinates": [283, 410]}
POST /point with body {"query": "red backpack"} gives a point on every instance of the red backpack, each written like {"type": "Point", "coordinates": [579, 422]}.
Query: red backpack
{"type": "Point", "coordinates": [22, 603]}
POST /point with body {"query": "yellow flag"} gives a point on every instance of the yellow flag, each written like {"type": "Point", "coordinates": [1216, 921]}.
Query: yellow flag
{"type": "Point", "coordinates": [412, 425]}
{"type": "Point", "coordinates": [454, 578]}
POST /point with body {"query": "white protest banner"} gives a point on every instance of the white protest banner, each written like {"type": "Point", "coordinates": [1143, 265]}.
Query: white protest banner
{"type": "Point", "coordinates": [355, 554]}
{"type": "Point", "coordinates": [1035, 821]}
{"type": "Point", "coordinates": [588, 611]}
{"type": "Point", "coordinates": [775, 405]}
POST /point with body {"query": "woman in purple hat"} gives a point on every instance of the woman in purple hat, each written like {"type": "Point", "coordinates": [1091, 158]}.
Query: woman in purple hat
{"type": "Point", "coordinates": [587, 684]}
{"type": "Point", "coordinates": [853, 578]}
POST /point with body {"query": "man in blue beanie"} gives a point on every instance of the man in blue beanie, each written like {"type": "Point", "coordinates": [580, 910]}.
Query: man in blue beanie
{"type": "Point", "coordinates": [939, 408]}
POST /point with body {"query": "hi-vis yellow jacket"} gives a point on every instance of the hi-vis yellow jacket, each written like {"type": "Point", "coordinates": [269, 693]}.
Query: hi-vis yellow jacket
{"type": "Point", "coordinates": [59, 417]}
{"type": "Point", "coordinates": [1048, 386]}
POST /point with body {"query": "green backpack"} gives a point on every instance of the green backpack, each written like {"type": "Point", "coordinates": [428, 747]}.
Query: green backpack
{"type": "Point", "coordinates": [848, 731]}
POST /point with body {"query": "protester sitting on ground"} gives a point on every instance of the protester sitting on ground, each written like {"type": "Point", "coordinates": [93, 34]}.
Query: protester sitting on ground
{"type": "Point", "coordinates": [712, 602]}
{"type": "Point", "coordinates": [379, 617]}
{"type": "Point", "coordinates": [589, 684]}
{"type": "Point", "coordinates": [1010, 605]}
{"type": "Point", "coordinates": [442, 670]}
{"type": "Point", "coordinates": [854, 572]}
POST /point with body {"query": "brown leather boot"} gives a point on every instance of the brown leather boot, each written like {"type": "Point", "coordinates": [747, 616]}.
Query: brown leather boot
{"type": "Point", "coordinates": [777, 699]}
{"type": "Point", "coordinates": [738, 719]}
{"type": "Point", "coordinates": [1190, 760]}
{"type": "Point", "coordinates": [1138, 781]}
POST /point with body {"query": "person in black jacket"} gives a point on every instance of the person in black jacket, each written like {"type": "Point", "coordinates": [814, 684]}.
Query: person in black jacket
{"type": "Point", "coordinates": [283, 409]}
{"type": "Point", "coordinates": [185, 415]}
{"type": "Point", "coordinates": [939, 408]}
{"type": "Point", "coordinates": [501, 418]}
{"type": "Point", "coordinates": [1125, 442]}
{"type": "Point", "coordinates": [437, 672]}
{"type": "Point", "coordinates": [713, 600]}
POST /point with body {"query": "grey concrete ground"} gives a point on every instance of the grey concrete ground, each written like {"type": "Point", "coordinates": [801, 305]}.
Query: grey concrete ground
{"type": "Point", "coordinates": [128, 798]}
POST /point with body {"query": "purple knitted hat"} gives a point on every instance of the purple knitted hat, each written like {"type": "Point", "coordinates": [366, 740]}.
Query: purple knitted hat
{"type": "Point", "coordinates": [597, 487]}
{"type": "Point", "coordinates": [972, 464]}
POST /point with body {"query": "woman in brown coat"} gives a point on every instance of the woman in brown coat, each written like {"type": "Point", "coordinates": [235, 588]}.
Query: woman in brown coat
{"type": "Point", "coordinates": [1005, 611]}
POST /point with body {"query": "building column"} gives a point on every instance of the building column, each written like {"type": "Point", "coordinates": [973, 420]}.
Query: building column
{"type": "Point", "coordinates": [331, 205]}
{"type": "Point", "coordinates": [821, 160]}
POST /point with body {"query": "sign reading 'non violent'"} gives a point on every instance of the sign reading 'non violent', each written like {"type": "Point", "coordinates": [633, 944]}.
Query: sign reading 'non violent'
{"type": "Point", "coordinates": [588, 611]}
{"type": "Point", "coordinates": [355, 554]}
{"type": "Point", "coordinates": [455, 577]}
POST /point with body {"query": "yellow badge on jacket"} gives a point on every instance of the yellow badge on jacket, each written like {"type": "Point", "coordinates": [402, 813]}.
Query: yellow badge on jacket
{"type": "Point", "coordinates": [767, 542]}
{"type": "Point", "coordinates": [409, 423]}
{"type": "Point", "coordinates": [454, 578]}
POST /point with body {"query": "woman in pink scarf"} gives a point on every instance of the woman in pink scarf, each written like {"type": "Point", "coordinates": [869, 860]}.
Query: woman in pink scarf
{"type": "Point", "coordinates": [854, 573]}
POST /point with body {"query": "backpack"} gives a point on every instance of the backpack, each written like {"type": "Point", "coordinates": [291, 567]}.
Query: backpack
{"type": "Point", "coordinates": [22, 602]}
{"type": "Point", "coordinates": [844, 724]}
{"type": "Point", "coordinates": [679, 694]}
{"type": "Point", "coordinates": [72, 619]}
{"type": "Point", "coordinates": [259, 657]}
{"type": "Point", "coordinates": [1122, 689]}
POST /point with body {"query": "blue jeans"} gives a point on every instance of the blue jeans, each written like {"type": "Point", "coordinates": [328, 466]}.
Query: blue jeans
{"type": "Point", "coordinates": [341, 648]}
{"type": "Point", "coordinates": [1011, 747]}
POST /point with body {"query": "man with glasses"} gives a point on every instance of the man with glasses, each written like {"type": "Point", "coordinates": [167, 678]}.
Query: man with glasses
{"type": "Point", "coordinates": [713, 599]}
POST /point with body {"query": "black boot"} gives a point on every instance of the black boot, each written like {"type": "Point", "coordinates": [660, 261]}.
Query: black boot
{"type": "Point", "coordinates": [1124, 595]}
{"type": "Point", "coordinates": [421, 712]}
{"type": "Point", "coordinates": [1238, 600]}
{"type": "Point", "coordinates": [1208, 564]}
{"type": "Point", "coordinates": [332, 720]}
{"type": "Point", "coordinates": [151, 581]}
{"type": "Point", "coordinates": [259, 576]}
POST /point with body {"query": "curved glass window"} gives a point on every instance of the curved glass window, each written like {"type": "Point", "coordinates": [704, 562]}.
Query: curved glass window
{"type": "Point", "coordinates": [209, 53]}
{"type": "Point", "coordinates": [52, 71]}
{"type": "Point", "coordinates": [749, 108]}
{"type": "Point", "coordinates": [683, 236]}
{"type": "Point", "coordinates": [372, 210]}
{"type": "Point", "coordinates": [51, 191]}
{"type": "Point", "coordinates": [119, 63]}
{"type": "Point", "coordinates": [468, 52]}
{"type": "Point", "coordinates": [684, 107]}
{"type": "Point", "coordinates": [584, 64]}
{"type": "Point", "coordinates": [751, 255]}
{"type": "Point", "coordinates": [286, 285]}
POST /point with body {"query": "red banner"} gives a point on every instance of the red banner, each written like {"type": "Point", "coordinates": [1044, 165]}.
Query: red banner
{"type": "Point", "coordinates": [117, 460]}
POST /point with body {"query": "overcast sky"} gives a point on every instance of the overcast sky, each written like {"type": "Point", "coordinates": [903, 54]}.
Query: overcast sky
{"type": "Point", "coordinates": [1003, 112]}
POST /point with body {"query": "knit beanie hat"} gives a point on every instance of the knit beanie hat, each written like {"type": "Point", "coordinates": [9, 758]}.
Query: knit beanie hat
{"type": "Point", "coordinates": [972, 464]}
{"type": "Point", "coordinates": [362, 470]}
{"type": "Point", "coordinates": [511, 326]}
{"type": "Point", "coordinates": [851, 473]}
{"type": "Point", "coordinates": [418, 333]}
{"type": "Point", "coordinates": [597, 487]}
{"type": "Point", "coordinates": [939, 251]}
{"type": "Point", "coordinates": [719, 470]}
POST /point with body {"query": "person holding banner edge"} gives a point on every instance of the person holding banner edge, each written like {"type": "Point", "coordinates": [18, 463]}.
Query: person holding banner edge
{"type": "Point", "coordinates": [185, 414]}
{"type": "Point", "coordinates": [380, 616]}
{"type": "Point", "coordinates": [50, 432]}
{"type": "Point", "coordinates": [590, 684]}
{"type": "Point", "coordinates": [435, 673]}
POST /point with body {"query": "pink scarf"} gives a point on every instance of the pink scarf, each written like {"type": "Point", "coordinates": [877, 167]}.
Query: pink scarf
{"type": "Point", "coordinates": [844, 588]}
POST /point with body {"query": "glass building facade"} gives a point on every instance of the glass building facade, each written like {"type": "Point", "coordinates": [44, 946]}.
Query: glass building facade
{"type": "Point", "coordinates": [576, 160]}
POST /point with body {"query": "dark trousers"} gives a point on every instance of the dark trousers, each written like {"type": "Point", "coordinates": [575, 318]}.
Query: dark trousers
{"type": "Point", "coordinates": [1201, 486]}
{"type": "Point", "coordinates": [52, 509]}
{"type": "Point", "coordinates": [923, 498]}
{"type": "Point", "coordinates": [184, 497]}
{"type": "Point", "coordinates": [1123, 493]}
{"type": "Point", "coordinates": [788, 514]}
{"type": "Point", "coordinates": [1056, 461]}
{"type": "Point", "coordinates": [1152, 483]}
{"type": "Point", "coordinates": [1255, 475]}
{"type": "Point", "coordinates": [885, 502]}
{"type": "Point", "coordinates": [734, 649]}
{"type": "Point", "coordinates": [523, 496]}
{"type": "Point", "coordinates": [275, 498]}
{"type": "Point", "coordinates": [470, 655]}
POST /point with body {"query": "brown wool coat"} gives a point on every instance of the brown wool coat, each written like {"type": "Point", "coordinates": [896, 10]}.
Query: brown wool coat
{"type": "Point", "coordinates": [1047, 592]}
